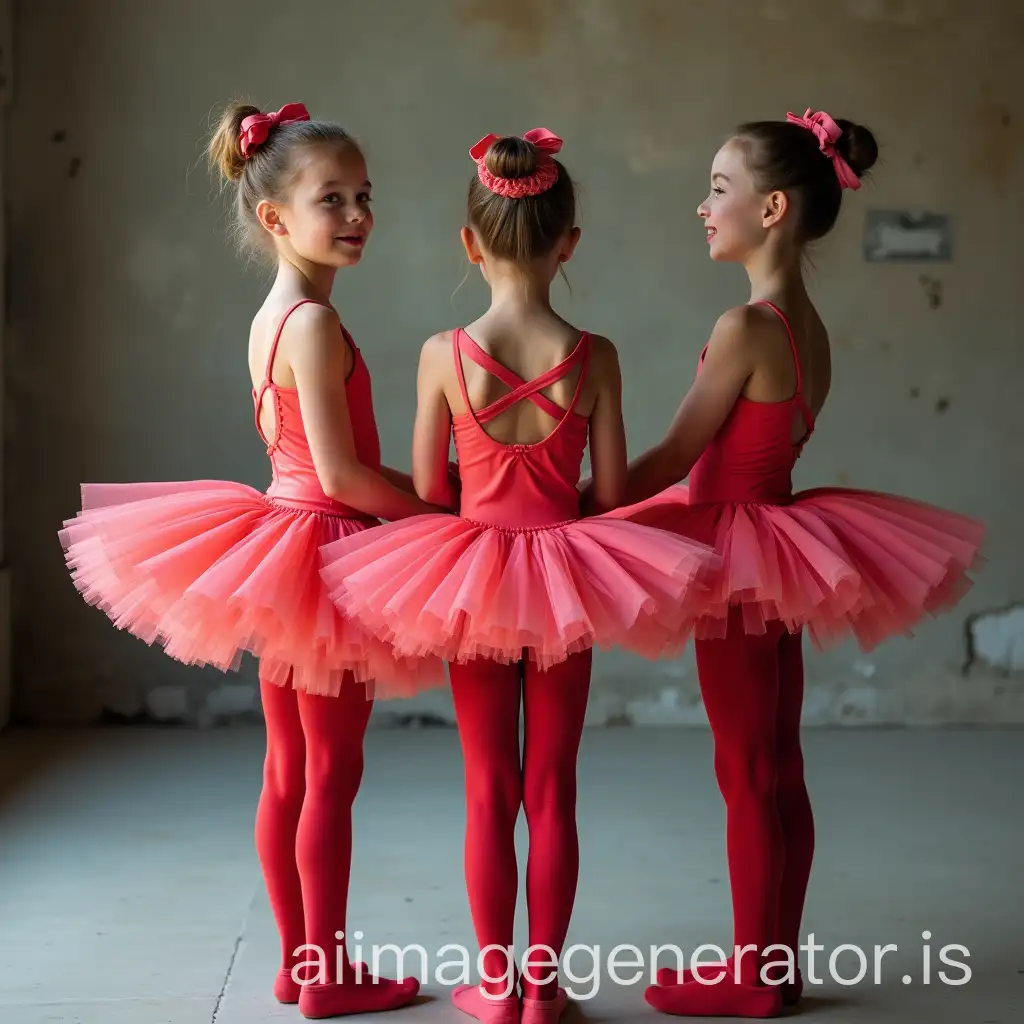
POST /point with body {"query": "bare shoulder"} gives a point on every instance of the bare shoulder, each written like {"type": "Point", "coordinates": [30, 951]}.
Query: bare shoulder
{"type": "Point", "coordinates": [604, 356]}
{"type": "Point", "coordinates": [604, 376]}
{"type": "Point", "coordinates": [312, 336]}
{"type": "Point", "coordinates": [737, 333]}
{"type": "Point", "coordinates": [745, 322]}
{"type": "Point", "coordinates": [312, 321]}
{"type": "Point", "coordinates": [436, 372]}
{"type": "Point", "coordinates": [435, 348]}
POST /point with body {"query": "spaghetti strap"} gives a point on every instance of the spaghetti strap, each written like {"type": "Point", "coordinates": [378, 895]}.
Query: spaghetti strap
{"type": "Point", "coordinates": [792, 342]}
{"type": "Point", "coordinates": [267, 378]}
{"type": "Point", "coordinates": [456, 355]}
{"type": "Point", "coordinates": [587, 348]}
{"type": "Point", "coordinates": [805, 409]}
{"type": "Point", "coordinates": [277, 336]}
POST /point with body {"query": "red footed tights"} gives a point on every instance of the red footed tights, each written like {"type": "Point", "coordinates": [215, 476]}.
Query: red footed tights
{"type": "Point", "coordinates": [542, 779]}
{"type": "Point", "coordinates": [311, 775]}
{"type": "Point", "coordinates": [753, 691]}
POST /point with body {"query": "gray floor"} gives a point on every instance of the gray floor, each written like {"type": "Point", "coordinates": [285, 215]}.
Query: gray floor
{"type": "Point", "coordinates": [130, 893]}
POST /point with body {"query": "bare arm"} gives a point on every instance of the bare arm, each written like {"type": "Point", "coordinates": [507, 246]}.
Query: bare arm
{"type": "Point", "coordinates": [431, 436]}
{"type": "Point", "coordinates": [728, 364]}
{"type": "Point", "coordinates": [607, 431]}
{"type": "Point", "coordinates": [318, 355]}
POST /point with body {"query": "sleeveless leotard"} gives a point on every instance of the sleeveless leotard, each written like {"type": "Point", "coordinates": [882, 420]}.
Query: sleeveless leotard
{"type": "Point", "coordinates": [836, 561]}
{"type": "Point", "coordinates": [210, 568]}
{"type": "Point", "coordinates": [517, 573]}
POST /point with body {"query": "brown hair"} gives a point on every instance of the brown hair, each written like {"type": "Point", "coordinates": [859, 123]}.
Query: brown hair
{"type": "Point", "coordinates": [525, 228]}
{"type": "Point", "coordinates": [786, 157]}
{"type": "Point", "coordinates": [269, 171]}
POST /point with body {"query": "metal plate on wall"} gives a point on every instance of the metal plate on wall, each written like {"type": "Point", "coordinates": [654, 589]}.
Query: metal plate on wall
{"type": "Point", "coordinates": [896, 236]}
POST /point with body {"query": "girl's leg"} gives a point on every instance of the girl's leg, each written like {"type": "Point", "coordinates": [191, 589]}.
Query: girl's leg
{"type": "Point", "coordinates": [795, 816]}
{"type": "Point", "coordinates": [487, 696]}
{"type": "Point", "coordinates": [334, 728]}
{"type": "Point", "coordinates": [739, 678]}
{"type": "Point", "coordinates": [277, 821]}
{"type": "Point", "coordinates": [793, 802]}
{"type": "Point", "coordinates": [555, 703]}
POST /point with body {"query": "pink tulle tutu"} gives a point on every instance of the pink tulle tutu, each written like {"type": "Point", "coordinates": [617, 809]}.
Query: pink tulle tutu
{"type": "Point", "coordinates": [444, 586]}
{"type": "Point", "coordinates": [836, 561]}
{"type": "Point", "coordinates": [210, 569]}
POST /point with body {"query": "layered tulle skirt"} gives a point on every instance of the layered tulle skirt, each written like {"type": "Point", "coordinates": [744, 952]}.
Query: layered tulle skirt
{"type": "Point", "coordinates": [447, 587]}
{"type": "Point", "coordinates": [212, 569]}
{"type": "Point", "coordinates": [837, 562]}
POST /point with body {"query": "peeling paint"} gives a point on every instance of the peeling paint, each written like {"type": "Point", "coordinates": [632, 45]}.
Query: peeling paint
{"type": "Point", "coordinates": [996, 639]}
{"type": "Point", "coordinates": [668, 709]}
{"type": "Point", "coordinates": [519, 25]}
{"type": "Point", "coordinates": [817, 705]}
{"type": "Point", "coordinates": [932, 290]}
{"type": "Point", "coordinates": [858, 703]}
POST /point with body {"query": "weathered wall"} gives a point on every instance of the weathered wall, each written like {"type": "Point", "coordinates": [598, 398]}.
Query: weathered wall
{"type": "Point", "coordinates": [125, 353]}
{"type": "Point", "coordinates": [6, 92]}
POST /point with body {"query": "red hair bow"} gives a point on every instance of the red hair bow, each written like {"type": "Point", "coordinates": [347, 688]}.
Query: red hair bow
{"type": "Point", "coordinates": [828, 133]}
{"type": "Point", "coordinates": [256, 127]}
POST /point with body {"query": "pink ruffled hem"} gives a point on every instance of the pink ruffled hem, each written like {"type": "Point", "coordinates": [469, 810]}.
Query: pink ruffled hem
{"type": "Point", "coordinates": [837, 562]}
{"type": "Point", "coordinates": [440, 585]}
{"type": "Point", "coordinates": [211, 569]}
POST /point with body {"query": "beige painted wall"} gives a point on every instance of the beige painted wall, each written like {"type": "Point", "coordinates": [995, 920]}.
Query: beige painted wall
{"type": "Point", "coordinates": [125, 352]}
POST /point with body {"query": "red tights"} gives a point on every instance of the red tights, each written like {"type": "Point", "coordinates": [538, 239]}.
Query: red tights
{"type": "Point", "coordinates": [753, 693]}
{"type": "Point", "coordinates": [753, 690]}
{"type": "Point", "coordinates": [542, 779]}
{"type": "Point", "coordinates": [311, 775]}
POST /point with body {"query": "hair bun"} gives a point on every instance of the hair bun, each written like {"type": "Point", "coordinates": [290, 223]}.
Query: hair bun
{"type": "Point", "coordinates": [225, 149]}
{"type": "Point", "coordinates": [512, 157]}
{"type": "Point", "coordinates": [857, 146]}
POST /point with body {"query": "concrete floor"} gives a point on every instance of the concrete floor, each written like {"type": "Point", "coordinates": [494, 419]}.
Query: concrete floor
{"type": "Point", "coordinates": [130, 892]}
